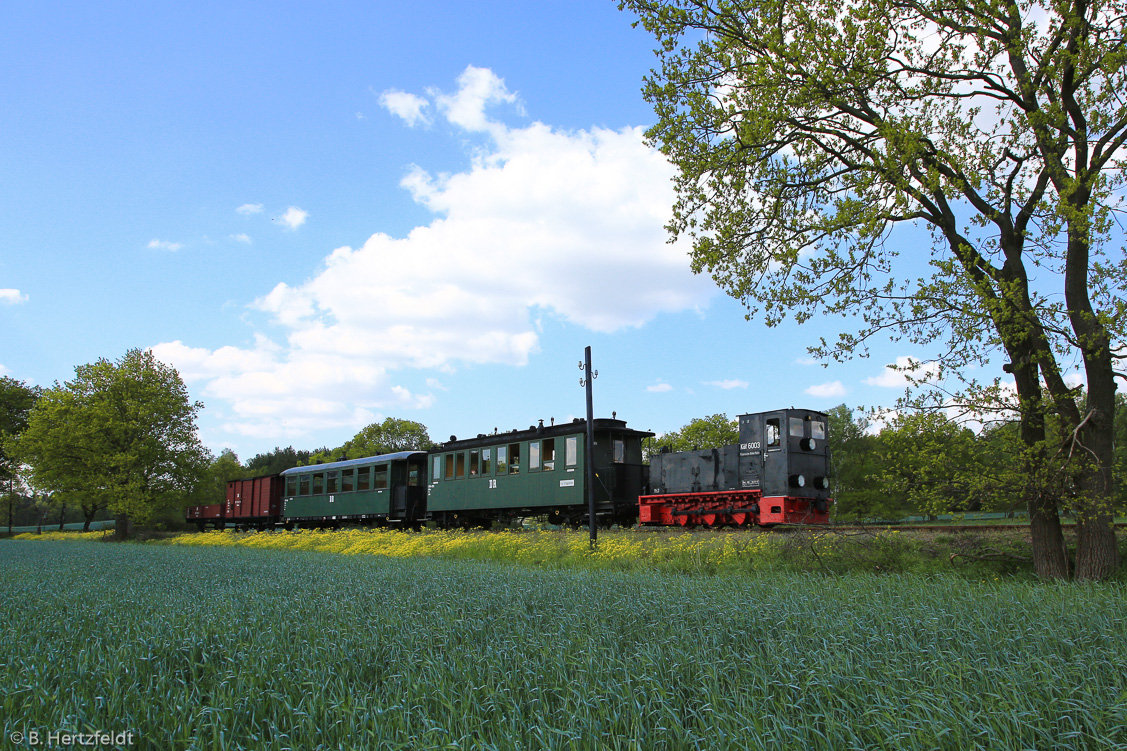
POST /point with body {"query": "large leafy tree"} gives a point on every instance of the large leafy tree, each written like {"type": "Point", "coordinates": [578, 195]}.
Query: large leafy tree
{"type": "Point", "coordinates": [16, 401]}
{"type": "Point", "coordinates": [120, 435]}
{"type": "Point", "coordinates": [709, 432]}
{"type": "Point", "coordinates": [805, 132]}
{"type": "Point", "coordinates": [387, 437]}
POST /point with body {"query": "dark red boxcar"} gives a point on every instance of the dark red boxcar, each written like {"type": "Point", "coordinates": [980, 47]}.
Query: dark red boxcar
{"type": "Point", "coordinates": [258, 498]}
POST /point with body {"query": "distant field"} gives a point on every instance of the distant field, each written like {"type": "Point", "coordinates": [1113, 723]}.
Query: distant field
{"type": "Point", "coordinates": [233, 648]}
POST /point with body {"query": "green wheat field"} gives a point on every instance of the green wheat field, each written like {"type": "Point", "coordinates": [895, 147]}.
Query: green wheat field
{"type": "Point", "coordinates": [224, 647]}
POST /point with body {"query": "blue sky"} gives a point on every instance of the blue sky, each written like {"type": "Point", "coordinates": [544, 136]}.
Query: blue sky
{"type": "Point", "coordinates": [326, 214]}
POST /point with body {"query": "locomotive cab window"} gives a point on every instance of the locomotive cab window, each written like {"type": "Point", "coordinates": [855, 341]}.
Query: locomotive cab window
{"type": "Point", "coordinates": [549, 453]}
{"type": "Point", "coordinates": [796, 427]}
{"type": "Point", "coordinates": [514, 458]}
{"type": "Point", "coordinates": [364, 478]}
{"type": "Point", "coordinates": [818, 430]}
{"type": "Point", "coordinates": [533, 456]}
{"type": "Point", "coordinates": [772, 431]}
{"type": "Point", "coordinates": [619, 451]}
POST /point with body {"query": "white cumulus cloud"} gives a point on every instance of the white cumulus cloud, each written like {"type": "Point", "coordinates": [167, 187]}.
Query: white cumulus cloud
{"type": "Point", "coordinates": [12, 297]}
{"type": "Point", "coordinates": [827, 390]}
{"type": "Point", "coordinates": [250, 208]}
{"type": "Point", "coordinates": [242, 237]}
{"type": "Point", "coordinates": [294, 217]}
{"type": "Point", "coordinates": [542, 222]}
{"type": "Point", "coordinates": [893, 376]}
{"type": "Point", "coordinates": [732, 383]}
{"type": "Point", "coordinates": [659, 388]}
{"type": "Point", "coordinates": [411, 108]}
{"type": "Point", "coordinates": [156, 244]}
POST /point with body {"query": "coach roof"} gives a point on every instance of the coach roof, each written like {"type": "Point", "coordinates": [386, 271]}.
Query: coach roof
{"type": "Point", "coordinates": [398, 456]}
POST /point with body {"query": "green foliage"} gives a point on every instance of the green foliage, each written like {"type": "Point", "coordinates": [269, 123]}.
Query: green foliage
{"type": "Point", "coordinates": [212, 487]}
{"type": "Point", "coordinates": [120, 435]}
{"type": "Point", "coordinates": [713, 431]}
{"type": "Point", "coordinates": [930, 462]}
{"type": "Point", "coordinates": [279, 460]}
{"type": "Point", "coordinates": [387, 437]}
{"type": "Point", "coordinates": [855, 468]}
{"type": "Point", "coordinates": [16, 402]}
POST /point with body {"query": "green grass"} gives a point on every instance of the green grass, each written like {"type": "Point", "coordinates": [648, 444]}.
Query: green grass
{"type": "Point", "coordinates": [229, 648]}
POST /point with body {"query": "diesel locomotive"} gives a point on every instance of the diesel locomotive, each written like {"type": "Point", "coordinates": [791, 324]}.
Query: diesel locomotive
{"type": "Point", "coordinates": [778, 473]}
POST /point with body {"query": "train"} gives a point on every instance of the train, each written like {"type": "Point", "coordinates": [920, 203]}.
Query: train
{"type": "Point", "coordinates": [778, 473]}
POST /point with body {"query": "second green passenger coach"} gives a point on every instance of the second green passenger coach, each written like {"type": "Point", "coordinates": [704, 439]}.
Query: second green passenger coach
{"type": "Point", "coordinates": [540, 471]}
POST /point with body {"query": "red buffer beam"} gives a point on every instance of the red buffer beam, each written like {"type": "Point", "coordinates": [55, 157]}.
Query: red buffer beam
{"type": "Point", "coordinates": [736, 508]}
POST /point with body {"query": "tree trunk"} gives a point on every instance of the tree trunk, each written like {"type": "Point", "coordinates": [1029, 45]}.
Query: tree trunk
{"type": "Point", "coordinates": [123, 528]}
{"type": "Point", "coordinates": [62, 516]}
{"type": "Point", "coordinates": [1050, 556]}
{"type": "Point", "coordinates": [1097, 551]}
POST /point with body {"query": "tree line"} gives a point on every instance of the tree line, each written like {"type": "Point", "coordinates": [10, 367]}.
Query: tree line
{"type": "Point", "coordinates": [119, 441]}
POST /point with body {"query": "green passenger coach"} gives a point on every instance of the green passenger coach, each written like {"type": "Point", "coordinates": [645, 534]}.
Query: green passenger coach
{"type": "Point", "coordinates": [378, 489]}
{"type": "Point", "coordinates": [539, 471]}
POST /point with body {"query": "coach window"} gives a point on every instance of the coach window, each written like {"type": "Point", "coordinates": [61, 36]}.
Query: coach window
{"type": "Point", "coordinates": [572, 450]}
{"type": "Point", "coordinates": [514, 458]}
{"type": "Point", "coordinates": [475, 462]}
{"type": "Point", "coordinates": [415, 471]}
{"type": "Point", "coordinates": [347, 480]}
{"type": "Point", "coordinates": [303, 485]}
{"type": "Point", "coordinates": [460, 463]}
{"type": "Point", "coordinates": [796, 427]}
{"type": "Point", "coordinates": [318, 483]}
{"type": "Point", "coordinates": [549, 453]}
{"type": "Point", "coordinates": [502, 460]}
{"type": "Point", "coordinates": [364, 478]}
{"type": "Point", "coordinates": [331, 484]}
{"type": "Point", "coordinates": [449, 473]}
{"type": "Point", "coordinates": [772, 431]}
{"type": "Point", "coordinates": [436, 474]}
{"type": "Point", "coordinates": [486, 467]}
{"type": "Point", "coordinates": [381, 477]}
{"type": "Point", "coordinates": [533, 456]}
{"type": "Point", "coordinates": [291, 485]}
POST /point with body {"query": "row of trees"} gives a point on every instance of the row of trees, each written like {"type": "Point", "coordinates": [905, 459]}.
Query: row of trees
{"type": "Point", "coordinates": [120, 438]}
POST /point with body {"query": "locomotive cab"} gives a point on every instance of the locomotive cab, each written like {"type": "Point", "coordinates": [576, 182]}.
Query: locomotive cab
{"type": "Point", "coordinates": [784, 455]}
